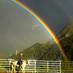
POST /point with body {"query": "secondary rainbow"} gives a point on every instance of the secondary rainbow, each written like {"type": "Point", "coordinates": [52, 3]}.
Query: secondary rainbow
{"type": "Point", "coordinates": [43, 24]}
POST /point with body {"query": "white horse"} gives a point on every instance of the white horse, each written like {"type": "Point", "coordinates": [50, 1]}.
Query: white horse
{"type": "Point", "coordinates": [23, 66]}
{"type": "Point", "coordinates": [13, 65]}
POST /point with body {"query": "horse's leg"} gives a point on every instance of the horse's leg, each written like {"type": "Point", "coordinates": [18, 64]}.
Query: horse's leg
{"type": "Point", "coordinates": [14, 71]}
{"type": "Point", "coordinates": [11, 69]}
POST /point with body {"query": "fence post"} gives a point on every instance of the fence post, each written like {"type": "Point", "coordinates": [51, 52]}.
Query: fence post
{"type": "Point", "coordinates": [35, 66]}
{"type": "Point", "coordinates": [47, 66]}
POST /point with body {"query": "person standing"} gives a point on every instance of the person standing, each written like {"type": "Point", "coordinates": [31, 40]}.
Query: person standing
{"type": "Point", "coordinates": [19, 63]}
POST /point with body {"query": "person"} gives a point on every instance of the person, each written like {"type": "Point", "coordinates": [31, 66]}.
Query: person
{"type": "Point", "coordinates": [19, 64]}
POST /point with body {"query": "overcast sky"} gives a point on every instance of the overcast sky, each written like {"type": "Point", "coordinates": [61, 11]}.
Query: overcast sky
{"type": "Point", "coordinates": [56, 13]}
{"type": "Point", "coordinates": [18, 29]}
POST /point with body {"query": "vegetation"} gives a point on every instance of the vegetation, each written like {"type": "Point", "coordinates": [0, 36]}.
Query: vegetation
{"type": "Point", "coordinates": [41, 52]}
{"type": "Point", "coordinates": [66, 39]}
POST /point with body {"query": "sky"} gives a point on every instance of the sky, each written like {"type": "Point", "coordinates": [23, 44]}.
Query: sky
{"type": "Point", "coordinates": [18, 29]}
{"type": "Point", "coordinates": [56, 13]}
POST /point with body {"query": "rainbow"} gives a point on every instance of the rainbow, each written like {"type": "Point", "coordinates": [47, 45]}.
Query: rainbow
{"type": "Point", "coordinates": [43, 24]}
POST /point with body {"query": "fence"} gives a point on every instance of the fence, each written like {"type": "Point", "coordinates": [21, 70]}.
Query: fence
{"type": "Point", "coordinates": [43, 66]}
{"type": "Point", "coordinates": [4, 65]}
{"type": "Point", "coordinates": [67, 67]}
{"type": "Point", "coordinates": [34, 66]}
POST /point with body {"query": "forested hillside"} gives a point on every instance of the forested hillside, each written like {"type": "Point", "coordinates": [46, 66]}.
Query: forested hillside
{"type": "Point", "coordinates": [66, 38]}
{"type": "Point", "coordinates": [44, 51]}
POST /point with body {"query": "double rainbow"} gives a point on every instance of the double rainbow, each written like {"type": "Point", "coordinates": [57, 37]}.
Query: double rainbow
{"type": "Point", "coordinates": [43, 24]}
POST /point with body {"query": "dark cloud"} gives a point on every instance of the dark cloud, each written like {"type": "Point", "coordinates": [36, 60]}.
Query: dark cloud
{"type": "Point", "coordinates": [56, 13]}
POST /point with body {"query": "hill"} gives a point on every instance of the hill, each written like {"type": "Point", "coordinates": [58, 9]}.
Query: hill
{"type": "Point", "coordinates": [49, 51]}
{"type": "Point", "coordinates": [66, 38]}
{"type": "Point", "coordinates": [39, 51]}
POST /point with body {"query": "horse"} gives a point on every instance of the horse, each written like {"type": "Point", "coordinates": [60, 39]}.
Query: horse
{"type": "Point", "coordinates": [14, 68]}
{"type": "Point", "coordinates": [12, 64]}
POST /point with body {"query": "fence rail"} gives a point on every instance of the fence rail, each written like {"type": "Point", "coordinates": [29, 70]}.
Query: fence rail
{"type": "Point", "coordinates": [34, 66]}
{"type": "Point", "coordinates": [40, 66]}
